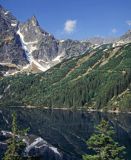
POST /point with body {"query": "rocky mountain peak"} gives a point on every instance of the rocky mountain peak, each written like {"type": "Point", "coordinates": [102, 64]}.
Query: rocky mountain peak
{"type": "Point", "coordinates": [7, 18]}
{"type": "Point", "coordinates": [11, 51]}
{"type": "Point", "coordinates": [28, 42]}
{"type": "Point", "coordinates": [41, 48]}
{"type": "Point", "coordinates": [126, 37]}
{"type": "Point", "coordinates": [2, 9]}
{"type": "Point", "coordinates": [33, 21]}
{"type": "Point", "coordinates": [96, 40]}
{"type": "Point", "coordinates": [102, 40]}
{"type": "Point", "coordinates": [129, 31]}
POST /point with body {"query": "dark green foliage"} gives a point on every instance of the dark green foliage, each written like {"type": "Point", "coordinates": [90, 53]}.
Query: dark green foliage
{"type": "Point", "coordinates": [103, 145]}
{"type": "Point", "coordinates": [15, 144]}
{"type": "Point", "coordinates": [82, 82]}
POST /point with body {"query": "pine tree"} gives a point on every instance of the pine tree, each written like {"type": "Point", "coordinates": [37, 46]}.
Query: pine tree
{"type": "Point", "coordinates": [15, 144]}
{"type": "Point", "coordinates": [103, 145]}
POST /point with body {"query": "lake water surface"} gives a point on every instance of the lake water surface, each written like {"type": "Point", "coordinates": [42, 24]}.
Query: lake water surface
{"type": "Point", "coordinates": [68, 130]}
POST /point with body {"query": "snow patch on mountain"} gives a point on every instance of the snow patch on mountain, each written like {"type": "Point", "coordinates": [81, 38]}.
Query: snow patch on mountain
{"type": "Point", "coordinates": [29, 48]}
{"type": "Point", "coordinates": [6, 133]}
{"type": "Point", "coordinates": [62, 40]}
{"type": "Point", "coordinates": [30, 146]}
{"type": "Point", "coordinates": [39, 143]}
{"type": "Point", "coordinates": [13, 24]}
{"type": "Point", "coordinates": [55, 150]}
{"type": "Point", "coordinates": [7, 12]}
{"type": "Point", "coordinates": [58, 58]}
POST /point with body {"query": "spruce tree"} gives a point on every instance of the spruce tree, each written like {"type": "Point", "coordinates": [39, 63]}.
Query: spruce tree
{"type": "Point", "coordinates": [15, 143]}
{"type": "Point", "coordinates": [103, 145]}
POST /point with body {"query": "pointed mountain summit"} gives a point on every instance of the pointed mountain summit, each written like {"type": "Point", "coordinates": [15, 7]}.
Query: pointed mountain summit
{"type": "Point", "coordinates": [40, 48]}
{"type": "Point", "coordinates": [8, 17]}
{"type": "Point", "coordinates": [34, 21]}
{"type": "Point", "coordinates": [23, 43]}
{"type": "Point", "coordinates": [126, 37]}
{"type": "Point", "coordinates": [2, 9]}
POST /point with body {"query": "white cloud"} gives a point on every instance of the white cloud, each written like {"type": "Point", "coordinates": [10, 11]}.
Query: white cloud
{"type": "Point", "coordinates": [128, 22]}
{"type": "Point", "coordinates": [114, 30]}
{"type": "Point", "coordinates": [70, 26]}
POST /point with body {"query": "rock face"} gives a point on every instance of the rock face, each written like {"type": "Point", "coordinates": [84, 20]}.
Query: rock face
{"type": "Point", "coordinates": [10, 46]}
{"type": "Point", "coordinates": [126, 37]}
{"type": "Point", "coordinates": [102, 40]}
{"type": "Point", "coordinates": [35, 147]}
{"type": "Point", "coordinates": [41, 44]}
{"type": "Point", "coordinates": [43, 49]}
{"type": "Point", "coordinates": [44, 46]}
{"type": "Point", "coordinates": [69, 48]}
{"type": "Point", "coordinates": [29, 48]}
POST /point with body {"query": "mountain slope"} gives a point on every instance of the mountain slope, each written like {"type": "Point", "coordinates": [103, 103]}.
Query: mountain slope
{"type": "Point", "coordinates": [30, 48]}
{"type": "Point", "coordinates": [101, 78]}
{"type": "Point", "coordinates": [43, 49]}
{"type": "Point", "coordinates": [11, 51]}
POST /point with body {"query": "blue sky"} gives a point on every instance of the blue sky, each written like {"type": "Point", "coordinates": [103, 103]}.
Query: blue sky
{"type": "Point", "coordinates": [76, 19]}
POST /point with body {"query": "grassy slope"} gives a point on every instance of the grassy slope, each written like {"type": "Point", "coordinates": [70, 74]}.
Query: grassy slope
{"type": "Point", "coordinates": [98, 79]}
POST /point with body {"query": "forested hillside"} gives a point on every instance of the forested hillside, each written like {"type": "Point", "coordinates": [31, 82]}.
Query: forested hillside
{"type": "Point", "coordinates": [99, 79]}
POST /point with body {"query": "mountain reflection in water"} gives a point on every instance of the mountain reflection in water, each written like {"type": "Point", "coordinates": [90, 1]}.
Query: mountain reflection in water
{"type": "Point", "coordinates": [68, 130]}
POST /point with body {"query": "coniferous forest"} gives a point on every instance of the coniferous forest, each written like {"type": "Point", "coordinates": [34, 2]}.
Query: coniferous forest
{"type": "Point", "coordinates": [99, 79]}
